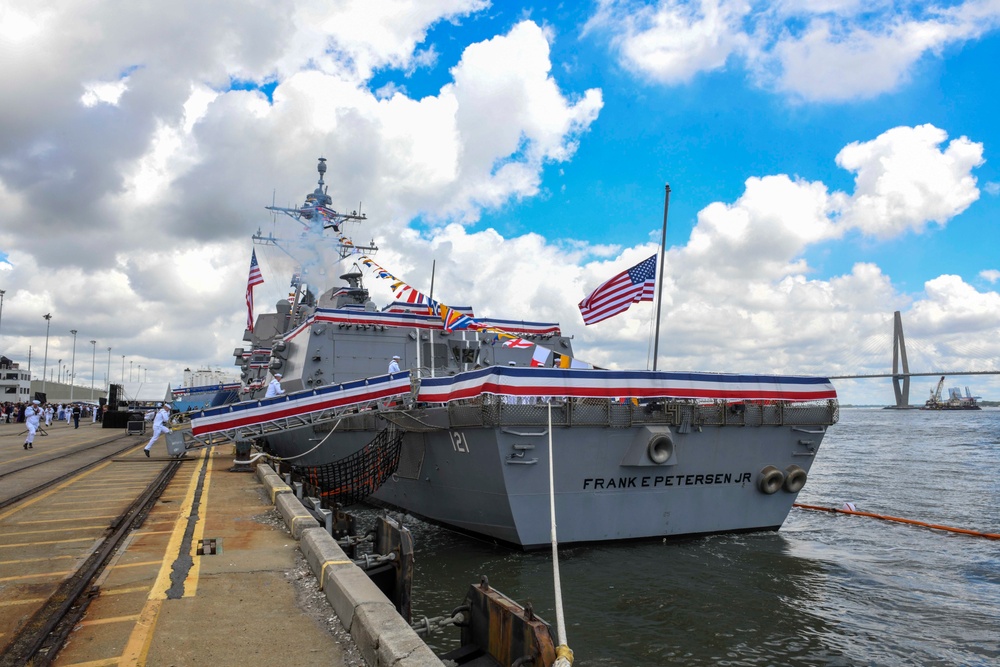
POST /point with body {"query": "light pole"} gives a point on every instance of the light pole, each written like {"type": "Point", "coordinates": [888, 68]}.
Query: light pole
{"type": "Point", "coordinates": [123, 369]}
{"type": "Point", "coordinates": [59, 370]}
{"type": "Point", "coordinates": [93, 364]}
{"type": "Point", "coordinates": [72, 370]}
{"type": "Point", "coordinates": [129, 370]}
{"type": "Point", "coordinates": [108, 376]}
{"type": "Point", "coordinates": [45, 361]}
{"type": "Point", "coordinates": [2, 292]}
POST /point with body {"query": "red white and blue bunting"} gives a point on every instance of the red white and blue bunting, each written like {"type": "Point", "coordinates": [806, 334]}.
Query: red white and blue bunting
{"type": "Point", "coordinates": [558, 382]}
{"type": "Point", "coordinates": [297, 404]}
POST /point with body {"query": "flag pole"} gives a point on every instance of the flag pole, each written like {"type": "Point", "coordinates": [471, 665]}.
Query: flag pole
{"type": "Point", "coordinates": [659, 281]}
{"type": "Point", "coordinates": [430, 332]}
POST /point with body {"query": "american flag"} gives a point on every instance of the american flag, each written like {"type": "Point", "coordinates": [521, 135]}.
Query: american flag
{"type": "Point", "coordinates": [616, 295]}
{"type": "Point", "coordinates": [254, 279]}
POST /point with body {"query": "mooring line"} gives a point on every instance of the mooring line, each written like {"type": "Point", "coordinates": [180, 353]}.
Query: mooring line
{"type": "Point", "coordinates": [914, 522]}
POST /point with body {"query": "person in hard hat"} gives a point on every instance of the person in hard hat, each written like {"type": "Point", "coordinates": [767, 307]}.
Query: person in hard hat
{"type": "Point", "coordinates": [394, 364]}
{"type": "Point", "coordinates": [274, 389]}
{"type": "Point", "coordinates": [160, 427]}
{"type": "Point", "coordinates": [32, 417]}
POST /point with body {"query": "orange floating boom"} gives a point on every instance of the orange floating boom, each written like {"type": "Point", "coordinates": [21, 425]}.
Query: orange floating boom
{"type": "Point", "coordinates": [884, 517]}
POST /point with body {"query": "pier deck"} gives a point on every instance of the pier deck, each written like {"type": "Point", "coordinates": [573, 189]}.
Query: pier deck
{"type": "Point", "coordinates": [249, 598]}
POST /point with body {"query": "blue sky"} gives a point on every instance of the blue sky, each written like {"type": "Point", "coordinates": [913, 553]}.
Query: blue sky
{"type": "Point", "coordinates": [517, 144]}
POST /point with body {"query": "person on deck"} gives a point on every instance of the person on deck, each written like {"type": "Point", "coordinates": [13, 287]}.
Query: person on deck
{"type": "Point", "coordinates": [160, 426]}
{"type": "Point", "coordinates": [274, 389]}
{"type": "Point", "coordinates": [32, 417]}
{"type": "Point", "coordinates": [394, 364]}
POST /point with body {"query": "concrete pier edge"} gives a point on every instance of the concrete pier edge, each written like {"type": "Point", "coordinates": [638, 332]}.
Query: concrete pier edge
{"type": "Point", "coordinates": [382, 636]}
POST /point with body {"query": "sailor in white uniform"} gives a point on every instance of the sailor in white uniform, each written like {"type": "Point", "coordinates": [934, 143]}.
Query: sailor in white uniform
{"type": "Point", "coordinates": [32, 416]}
{"type": "Point", "coordinates": [159, 426]}
{"type": "Point", "coordinates": [274, 389]}
{"type": "Point", "coordinates": [394, 364]}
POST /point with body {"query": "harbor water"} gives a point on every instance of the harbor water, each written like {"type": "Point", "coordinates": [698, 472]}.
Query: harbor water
{"type": "Point", "coordinates": [827, 589]}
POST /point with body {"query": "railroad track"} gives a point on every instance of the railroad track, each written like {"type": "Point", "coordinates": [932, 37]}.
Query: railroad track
{"type": "Point", "coordinates": [92, 454]}
{"type": "Point", "coordinates": [79, 506]}
{"type": "Point", "coordinates": [38, 640]}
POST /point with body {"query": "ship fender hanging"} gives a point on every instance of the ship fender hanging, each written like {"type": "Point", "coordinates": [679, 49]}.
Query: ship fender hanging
{"type": "Point", "coordinates": [660, 448]}
{"type": "Point", "coordinates": [770, 480]}
{"type": "Point", "coordinates": [795, 479]}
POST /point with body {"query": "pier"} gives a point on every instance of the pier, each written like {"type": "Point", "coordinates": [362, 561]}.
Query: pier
{"type": "Point", "coordinates": [111, 558]}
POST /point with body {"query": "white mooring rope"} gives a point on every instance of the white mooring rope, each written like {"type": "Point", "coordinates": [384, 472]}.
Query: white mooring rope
{"type": "Point", "coordinates": [563, 652]}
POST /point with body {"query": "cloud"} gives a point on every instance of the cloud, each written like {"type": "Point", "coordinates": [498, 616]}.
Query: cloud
{"type": "Point", "coordinates": [132, 173]}
{"type": "Point", "coordinates": [827, 50]}
{"type": "Point", "coordinates": [990, 275]}
{"type": "Point", "coordinates": [904, 181]}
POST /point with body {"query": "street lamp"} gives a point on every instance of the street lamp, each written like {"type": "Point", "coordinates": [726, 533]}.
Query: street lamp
{"type": "Point", "coordinates": [2, 292]}
{"type": "Point", "coordinates": [72, 370]}
{"type": "Point", "coordinates": [129, 370]}
{"type": "Point", "coordinates": [45, 361]}
{"type": "Point", "coordinates": [123, 369]}
{"type": "Point", "coordinates": [108, 376]}
{"type": "Point", "coordinates": [93, 364]}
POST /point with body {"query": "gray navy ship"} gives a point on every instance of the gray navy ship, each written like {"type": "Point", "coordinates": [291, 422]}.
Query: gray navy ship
{"type": "Point", "coordinates": [461, 434]}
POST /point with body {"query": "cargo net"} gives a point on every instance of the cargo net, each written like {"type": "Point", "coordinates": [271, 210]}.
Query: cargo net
{"type": "Point", "coordinates": [353, 478]}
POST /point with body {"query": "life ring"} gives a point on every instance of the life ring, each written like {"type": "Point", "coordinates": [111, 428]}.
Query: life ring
{"type": "Point", "coordinates": [770, 480]}
{"type": "Point", "coordinates": [795, 479]}
{"type": "Point", "coordinates": [660, 448]}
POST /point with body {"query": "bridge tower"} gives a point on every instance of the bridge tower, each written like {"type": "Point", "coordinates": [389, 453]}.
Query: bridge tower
{"type": "Point", "coordinates": [900, 383]}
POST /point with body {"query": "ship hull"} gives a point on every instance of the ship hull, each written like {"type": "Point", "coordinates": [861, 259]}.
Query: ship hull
{"type": "Point", "coordinates": [490, 477]}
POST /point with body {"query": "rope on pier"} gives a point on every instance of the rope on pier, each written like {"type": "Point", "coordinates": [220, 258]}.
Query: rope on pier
{"type": "Point", "coordinates": [564, 655]}
{"type": "Point", "coordinates": [914, 522]}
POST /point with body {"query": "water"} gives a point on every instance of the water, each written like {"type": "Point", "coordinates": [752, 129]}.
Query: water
{"type": "Point", "coordinates": [828, 589]}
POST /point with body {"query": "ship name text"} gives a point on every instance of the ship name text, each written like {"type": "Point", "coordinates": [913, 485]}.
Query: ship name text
{"type": "Point", "coordinates": [654, 481]}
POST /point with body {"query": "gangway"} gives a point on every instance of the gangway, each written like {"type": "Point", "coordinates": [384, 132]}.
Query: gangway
{"type": "Point", "coordinates": [258, 418]}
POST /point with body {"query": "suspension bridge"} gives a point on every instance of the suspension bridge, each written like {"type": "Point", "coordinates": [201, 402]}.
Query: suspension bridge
{"type": "Point", "coordinates": [901, 369]}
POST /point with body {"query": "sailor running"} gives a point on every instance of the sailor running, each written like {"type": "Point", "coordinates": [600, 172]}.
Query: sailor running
{"type": "Point", "coordinates": [32, 416]}
{"type": "Point", "coordinates": [159, 426]}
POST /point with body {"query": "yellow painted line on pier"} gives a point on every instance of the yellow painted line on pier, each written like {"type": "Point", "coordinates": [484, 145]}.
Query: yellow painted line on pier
{"type": "Point", "coordinates": [11, 603]}
{"type": "Point", "coordinates": [19, 533]}
{"type": "Point", "coordinates": [159, 591]}
{"type": "Point", "coordinates": [124, 591]}
{"type": "Point", "coordinates": [322, 569]}
{"type": "Point", "coordinates": [107, 621]}
{"type": "Point", "coordinates": [38, 544]}
{"type": "Point", "coordinates": [104, 662]}
{"type": "Point", "coordinates": [194, 574]}
{"type": "Point", "coordinates": [141, 637]}
{"type": "Point", "coordinates": [76, 503]}
{"type": "Point", "coordinates": [145, 563]}
{"type": "Point", "coordinates": [33, 560]}
{"type": "Point", "coordinates": [71, 518]}
{"type": "Point", "coordinates": [40, 575]}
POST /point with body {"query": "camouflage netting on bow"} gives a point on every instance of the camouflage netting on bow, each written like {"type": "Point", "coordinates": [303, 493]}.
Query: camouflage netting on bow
{"type": "Point", "coordinates": [357, 476]}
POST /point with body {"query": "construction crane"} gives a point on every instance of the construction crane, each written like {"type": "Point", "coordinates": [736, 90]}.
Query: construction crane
{"type": "Point", "coordinates": [936, 395]}
{"type": "Point", "coordinates": [934, 402]}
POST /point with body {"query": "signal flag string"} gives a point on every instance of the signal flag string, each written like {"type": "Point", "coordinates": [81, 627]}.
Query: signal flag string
{"type": "Point", "coordinates": [914, 522]}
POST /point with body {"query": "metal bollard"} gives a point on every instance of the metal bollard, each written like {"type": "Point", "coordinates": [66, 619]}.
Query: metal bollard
{"type": "Point", "coordinates": [327, 518]}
